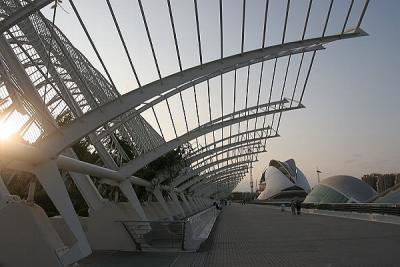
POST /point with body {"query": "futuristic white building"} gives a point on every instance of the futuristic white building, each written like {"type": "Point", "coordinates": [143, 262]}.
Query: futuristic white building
{"type": "Point", "coordinates": [341, 189]}
{"type": "Point", "coordinates": [283, 180]}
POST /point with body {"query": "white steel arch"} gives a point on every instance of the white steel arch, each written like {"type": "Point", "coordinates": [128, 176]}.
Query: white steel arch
{"type": "Point", "coordinates": [191, 185]}
{"type": "Point", "coordinates": [243, 146]}
{"type": "Point", "coordinates": [263, 130]}
{"type": "Point", "coordinates": [239, 165]}
{"type": "Point", "coordinates": [42, 71]}
{"type": "Point", "coordinates": [131, 167]}
{"type": "Point", "coordinates": [182, 178]}
{"type": "Point", "coordinates": [233, 145]}
{"type": "Point", "coordinates": [71, 133]}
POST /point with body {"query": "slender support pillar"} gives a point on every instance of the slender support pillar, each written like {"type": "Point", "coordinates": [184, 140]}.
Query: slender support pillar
{"type": "Point", "coordinates": [85, 185]}
{"type": "Point", "coordinates": [201, 205]}
{"type": "Point", "coordinates": [207, 191]}
{"type": "Point", "coordinates": [176, 201]}
{"type": "Point", "coordinates": [31, 192]}
{"type": "Point", "coordinates": [88, 191]}
{"type": "Point", "coordinates": [197, 202]}
{"type": "Point", "coordinates": [194, 204]}
{"type": "Point", "coordinates": [203, 202]}
{"type": "Point", "coordinates": [51, 180]}
{"type": "Point", "coordinates": [127, 190]}
{"type": "Point", "coordinates": [157, 193]}
{"type": "Point", "coordinates": [3, 189]}
{"type": "Point", "coordinates": [186, 202]}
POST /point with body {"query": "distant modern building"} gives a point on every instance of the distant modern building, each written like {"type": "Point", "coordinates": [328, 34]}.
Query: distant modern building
{"type": "Point", "coordinates": [341, 189]}
{"type": "Point", "coordinates": [283, 181]}
{"type": "Point", "coordinates": [381, 182]}
{"type": "Point", "coordinates": [371, 179]}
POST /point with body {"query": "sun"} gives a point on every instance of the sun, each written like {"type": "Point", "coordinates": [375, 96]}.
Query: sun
{"type": "Point", "coordinates": [7, 129]}
{"type": "Point", "coordinates": [10, 125]}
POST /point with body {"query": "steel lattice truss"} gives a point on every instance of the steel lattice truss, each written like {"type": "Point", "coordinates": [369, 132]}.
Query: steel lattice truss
{"type": "Point", "coordinates": [226, 108]}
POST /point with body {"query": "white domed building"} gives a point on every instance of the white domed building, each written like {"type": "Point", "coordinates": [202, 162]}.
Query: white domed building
{"type": "Point", "coordinates": [283, 181]}
{"type": "Point", "coordinates": [341, 189]}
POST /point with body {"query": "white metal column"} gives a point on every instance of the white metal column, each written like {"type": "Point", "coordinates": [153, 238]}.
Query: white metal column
{"type": "Point", "coordinates": [157, 193]}
{"type": "Point", "coordinates": [185, 200]}
{"type": "Point", "coordinates": [3, 189]}
{"type": "Point", "coordinates": [177, 203]}
{"type": "Point", "coordinates": [51, 180]}
{"type": "Point", "coordinates": [129, 192]}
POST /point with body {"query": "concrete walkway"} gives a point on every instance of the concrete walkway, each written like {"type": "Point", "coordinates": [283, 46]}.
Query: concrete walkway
{"type": "Point", "coordinates": [253, 235]}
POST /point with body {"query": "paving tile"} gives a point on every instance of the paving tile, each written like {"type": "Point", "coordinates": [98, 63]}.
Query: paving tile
{"type": "Point", "coordinates": [251, 235]}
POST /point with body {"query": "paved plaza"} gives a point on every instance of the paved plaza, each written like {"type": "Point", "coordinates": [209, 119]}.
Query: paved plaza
{"type": "Point", "coordinates": [253, 235]}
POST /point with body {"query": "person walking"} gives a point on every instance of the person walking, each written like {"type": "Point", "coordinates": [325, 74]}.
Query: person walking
{"type": "Point", "coordinates": [293, 207]}
{"type": "Point", "coordinates": [298, 206]}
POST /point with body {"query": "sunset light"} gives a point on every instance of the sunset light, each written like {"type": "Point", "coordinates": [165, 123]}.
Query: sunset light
{"type": "Point", "coordinates": [11, 124]}
{"type": "Point", "coordinates": [7, 128]}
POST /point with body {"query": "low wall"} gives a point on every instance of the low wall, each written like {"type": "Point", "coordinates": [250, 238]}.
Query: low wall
{"type": "Point", "coordinates": [372, 217]}
{"type": "Point", "coordinates": [336, 212]}
{"type": "Point", "coordinates": [198, 227]}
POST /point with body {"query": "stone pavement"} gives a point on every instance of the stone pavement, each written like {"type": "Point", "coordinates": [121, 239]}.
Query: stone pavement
{"type": "Point", "coordinates": [255, 235]}
{"type": "Point", "coordinates": [129, 259]}
{"type": "Point", "coordinates": [258, 235]}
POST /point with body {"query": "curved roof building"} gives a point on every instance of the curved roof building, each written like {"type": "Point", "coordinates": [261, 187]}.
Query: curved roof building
{"type": "Point", "coordinates": [283, 180]}
{"type": "Point", "coordinates": [341, 189]}
{"type": "Point", "coordinates": [390, 196]}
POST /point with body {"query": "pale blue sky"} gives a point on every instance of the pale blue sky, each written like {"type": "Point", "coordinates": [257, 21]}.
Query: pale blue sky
{"type": "Point", "coordinates": [351, 124]}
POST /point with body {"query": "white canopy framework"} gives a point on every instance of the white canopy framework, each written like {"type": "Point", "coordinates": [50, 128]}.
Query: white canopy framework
{"type": "Point", "coordinates": [224, 109]}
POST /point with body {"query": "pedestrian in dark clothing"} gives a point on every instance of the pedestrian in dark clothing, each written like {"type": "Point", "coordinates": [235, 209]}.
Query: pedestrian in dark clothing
{"type": "Point", "coordinates": [293, 207]}
{"type": "Point", "coordinates": [298, 207]}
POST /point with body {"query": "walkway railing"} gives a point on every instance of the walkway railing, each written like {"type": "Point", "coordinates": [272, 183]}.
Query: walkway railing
{"type": "Point", "coordinates": [381, 208]}
{"type": "Point", "coordinates": [187, 234]}
{"type": "Point", "coordinates": [156, 235]}
{"type": "Point", "coordinates": [390, 209]}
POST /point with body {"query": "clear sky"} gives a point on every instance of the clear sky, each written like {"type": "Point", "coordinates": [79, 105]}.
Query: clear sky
{"type": "Point", "coordinates": [351, 124]}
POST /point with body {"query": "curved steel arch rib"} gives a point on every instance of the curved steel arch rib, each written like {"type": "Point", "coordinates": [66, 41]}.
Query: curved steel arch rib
{"type": "Point", "coordinates": [185, 86]}
{"type": "Point", "coordinates": [220, 187]}
{"type": "Point", "coordinates": [230, 147]}
{"type": "Point", "coordinates": [232, 166]}
{"type": "Point", "coordinates": [233, 147]}
{"type": "Point", "coordinates": [197, 153]}
{"type": "Point", "coordinates": [136, 164]}
{"type": "Point", "coordinates": [222, 179]}
{"type": "Point", "coordinates": [59, 140]}
{"type": "Point", "coordinates": [195, 183]}
{"type": "Point", "coordinates": [182, 178]}
{"type": "Point", "coordinates": [232, 180]}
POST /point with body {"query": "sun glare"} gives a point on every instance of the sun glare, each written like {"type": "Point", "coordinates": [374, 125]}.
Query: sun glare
{"type": "Point", "coordinates": [7, 129]}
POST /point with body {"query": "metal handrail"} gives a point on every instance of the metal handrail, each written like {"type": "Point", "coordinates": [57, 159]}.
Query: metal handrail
{"type": "Point", "coordinates": [391, 209]}
{"type": "Point", "coordinates": [379, 208]}
{"type": "Point", "coordinates": [197, 212]}
{"type": "Point", "coordinates": [158, 235]}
